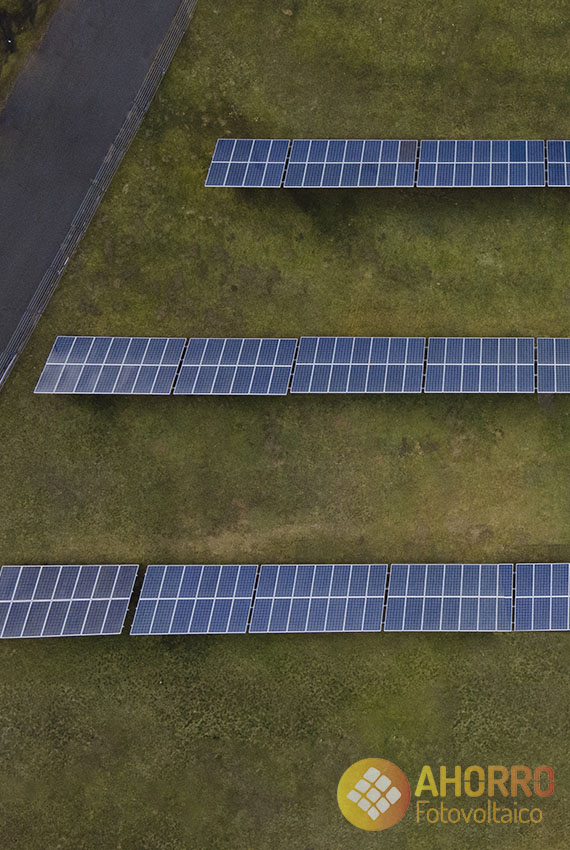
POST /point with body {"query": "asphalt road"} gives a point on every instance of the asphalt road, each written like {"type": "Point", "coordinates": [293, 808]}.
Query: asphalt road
{"type": "Point", "coordinates": [64, 112]}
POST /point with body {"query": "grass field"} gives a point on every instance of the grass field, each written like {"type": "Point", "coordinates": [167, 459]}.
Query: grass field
{"type": "Point", "coordinates": [196, 744]}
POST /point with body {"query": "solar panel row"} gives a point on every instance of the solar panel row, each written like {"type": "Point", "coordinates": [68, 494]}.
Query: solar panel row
{"type": "Point", "coordinates": [73, 600]}
{"type": "Point", "coordinates": [242, 366]}
{"type": "Point", "coordinates": [246, 366]}
{"type": "Point", "coordinates": [311, 163]}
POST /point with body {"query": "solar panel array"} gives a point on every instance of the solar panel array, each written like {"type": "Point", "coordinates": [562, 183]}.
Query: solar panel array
{"type": "Point", "coordinates": [319, 598]}
{"type": "Point", "coordinates": [64, 601]}
{"type": "Point", "coordinates": [553, 365]}
{"type": "Point", "coordinates": [248, 162]}
{"type": "Point", "coordinates": [195, 599]}
{"type": "Point", "coordinates": [542, 597]}
{"type": "Point", "coordinates": [236, 367]}
{"type": "Point", "coordinates": [558, 158]}
{"type": "Point", "coordinates": [311, 163]}
{"type": "Point", "coordinates": [472, 162]}
{"type": "Point", "coordinates": [248, 366]}
{"type": "Point", "coordinates": [111, 365]}
{"type": "Point", "coordinates": [449, 597]}
{"type": "Point", "coordinates": [480, 365]}
{"type": "Point", "coordinates": [93, 599]}
{"type": "Point", "coordinates": [359, 365]}
{"type": "Point", "coordinates": [351, 162]}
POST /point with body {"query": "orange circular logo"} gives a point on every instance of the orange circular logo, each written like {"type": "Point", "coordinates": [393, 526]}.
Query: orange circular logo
{"type": "Point", "coordinates": [373, 794]}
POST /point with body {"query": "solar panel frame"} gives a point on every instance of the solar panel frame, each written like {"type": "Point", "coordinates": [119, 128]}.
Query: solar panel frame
{"type": "Point", "coordinates": [318, 598]}
{"type": "Point", "coordinates": [351, 163]}
{"type": "Point", "coordinates": [251, 163]}
{"type": "Point", "coordinates": [480, 365]}
{"type": "Point", "coordinates": [111, 366]}
{"type": "Point", "coordinates": [542, 597]}
{"type": "Point", "coordinates": [64, 600]}
{"type": "Point", "coordinates": [558, 162]}
{"type": "Point", "coordinates": [460, 163]}
{"type": "Point", "coordinates": [553, 364]}
{"type": "Point", "coordinates": [359, 365]}
{"type": "Point", "coordinates": [236, 366]}
{"type": "Point", "coordinates": [449, 597]}
{"type": "Point", "coordinates": [192, 599]}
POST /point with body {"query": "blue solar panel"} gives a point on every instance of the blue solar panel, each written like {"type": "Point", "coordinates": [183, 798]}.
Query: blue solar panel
{"type": "Point", "coordinates": [558, 158]}
{"type": "Point", "coordinates": [195, 599]}
{"type": "Point", "coordinates": [111, 365]}
{"type": "Point", "coordinates": [329, 364]}
{"type": "Point", "coordinates": [541, 597]}
{"type": "Point", "coordinates": [449, 597]}
{"type": "Point", "coordinates": [481, 163]}
{"type": "Point", "coordinates": [248, 162]}
{"type": "Point", "coordinates": [553, 365]}
{"type": "Point", "coordinates": [319, 598]}
{"type": "Point", "coordinates": [480, 365]}
{"type": "Point", "coordinates": [345, 163]}
{"type": "Point", "coordinates": [64, 600]}
{"type": "Point", "coordinates": [236, 367]}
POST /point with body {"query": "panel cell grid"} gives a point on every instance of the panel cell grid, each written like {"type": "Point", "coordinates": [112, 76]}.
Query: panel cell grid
{"type": "Point", "coordinates": [248, 162]}
{"type": "Point", "coordinates": [111, 365]}
{"type": "Point", "coordinates": [359, 365]}
{"type": "Point", "coordinates": [64, 600]}
{"type": "Point", "coordinates": [472, 162]}
{"type": "Point", "coordinates": [236, 367]}
{"type": "Point", "coordinates": [195, 599]}
{"type": "Point", "coordinates": [542, 597]}
{"type": "Point", "coordinates": [553, 365]}
{"type": "Point", "coordinates": [319, 598]}
{"type": "Point", "coordinates": [480, 365]}
{"type": "Point", "coordinates": [558, 159]}
{"type": "Point", "coordinates": [449, 597]}
{"type": "Point", "coordinates": [322, 163]}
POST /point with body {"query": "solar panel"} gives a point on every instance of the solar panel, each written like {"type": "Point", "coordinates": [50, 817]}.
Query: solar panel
{"type": "Point", "coordinates": [449, 597]}
{"type": "Point", "coordinates": [64, 601]}
{"type": "Point", "coordinates": [98, 365]}
{"type": "Point", "coordinates": [474, 162]}
{"type": "Point", "coordinates": [351, 163]}
{"type": "Point", "coordinates": [558, 159]}
{"type": "Point", "coordinates": [330, 364]}
{"type": "Point", "coordinates": [248, 162]}
{"type": "Point", "coordinates": [541, 597]}
{"type": "Point", "coordinates": [480, 365]}
{"type": "Point", "coordinates": [195, 599]}
{"type": "Point", "coordinates": [553, 365]}
{"type": "Point", "coordinates": [319, 598]}
{"type": "Point", "coordinates": [236, 367]}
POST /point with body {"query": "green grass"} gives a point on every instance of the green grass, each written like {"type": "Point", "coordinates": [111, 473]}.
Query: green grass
{"type": "Point", "coordinates": [239, 742]}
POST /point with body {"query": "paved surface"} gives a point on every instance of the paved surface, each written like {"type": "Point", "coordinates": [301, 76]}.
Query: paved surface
{"type": "Point", "coordinates": [59, 122]}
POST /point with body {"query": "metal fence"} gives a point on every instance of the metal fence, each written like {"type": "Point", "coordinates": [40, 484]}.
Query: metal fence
{"type": "Point", "coordinates": [98, 187]}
